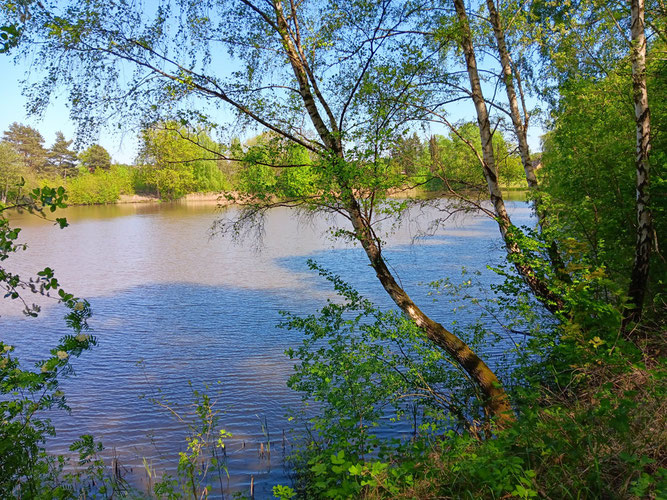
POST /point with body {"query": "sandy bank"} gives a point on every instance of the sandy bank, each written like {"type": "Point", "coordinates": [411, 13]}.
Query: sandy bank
{"type": "Point", "coordinates": [218, 198]}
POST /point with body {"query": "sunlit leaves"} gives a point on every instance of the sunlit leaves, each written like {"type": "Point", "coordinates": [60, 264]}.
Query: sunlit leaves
{"type": "Point", "coordinates": [9, 37]}
{"type": "Point", "coordinates": [26, 393]}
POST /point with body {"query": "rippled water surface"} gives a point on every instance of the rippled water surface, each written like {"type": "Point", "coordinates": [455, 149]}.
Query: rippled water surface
{"type": "Point", "coordinates": [203, 310]}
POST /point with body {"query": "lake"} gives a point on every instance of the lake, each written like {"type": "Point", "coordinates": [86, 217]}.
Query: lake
{"type": "Point", "coordinates": [174, 305]}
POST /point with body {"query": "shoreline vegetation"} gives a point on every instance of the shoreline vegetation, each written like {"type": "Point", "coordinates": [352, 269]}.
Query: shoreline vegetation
{"type": "Point", "coordinates": [512, 194]}
{"type": "Point", "coordinates": [170, 166]}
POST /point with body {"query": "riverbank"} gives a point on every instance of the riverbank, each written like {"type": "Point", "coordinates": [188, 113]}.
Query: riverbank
{"type": "Point", "coordinates": [222, 198]}
{"type": "Point", "coordinates": [226, 198]}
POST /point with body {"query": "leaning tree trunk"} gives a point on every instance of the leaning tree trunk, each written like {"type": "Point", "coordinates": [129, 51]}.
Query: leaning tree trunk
{"type": "Point", "coordinates": [484, 124]}
{"type": "Point", "coordinates": [640, 268]}
{"type": "Point", "coordinates": [550, 300]}
{"type": "Point", "coordinates": [496, 402]}
{"type": "Point", "coordinates": [519, 124]}
{"type": "Point", "coordinates": [520, 128]}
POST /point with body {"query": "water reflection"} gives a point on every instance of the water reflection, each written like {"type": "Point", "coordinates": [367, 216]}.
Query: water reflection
{"type": "Point", "coordinates": [204, 310]}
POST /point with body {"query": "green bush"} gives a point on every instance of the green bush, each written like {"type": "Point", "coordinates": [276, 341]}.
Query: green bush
{"type": "Point", "coordinates": [103, 186]}
{"type": "Point", "coordinates": [589, 404]}
{"type": "Point", "coordinates": [363, 369]}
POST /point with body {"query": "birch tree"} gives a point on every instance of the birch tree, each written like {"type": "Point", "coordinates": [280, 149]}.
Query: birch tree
{"type": "Point", "coordinates": [589, 39]}
{"type": "Point", "coordinates": [542, 290]}
{"type": "Point", "coordinates": [607, 43]}
{"type": "Point", "coordinates": [640, 268]}
{"type": "Point", "coordinates": [336, 78]}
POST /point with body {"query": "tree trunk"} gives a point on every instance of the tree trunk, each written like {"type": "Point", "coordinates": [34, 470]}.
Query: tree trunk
{"type": "Point", "coordinates": [520, 129]}
{"type": "Point", "coordinates": [496, 401]}
{"type": "Point", "coordinates": [519, 124]}
{"type": "Point", "coordinates": [550, 300]}
{"type": "Point", "coordinates": [484, 124]}
{"type": "Point", "coordinates": [640, 268]}
{"type": "Point", "coordinates": [434, 153]}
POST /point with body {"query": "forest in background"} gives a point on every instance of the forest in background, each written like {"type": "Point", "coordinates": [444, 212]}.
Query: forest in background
{"type": "Point", "coordinates": [175, 160]}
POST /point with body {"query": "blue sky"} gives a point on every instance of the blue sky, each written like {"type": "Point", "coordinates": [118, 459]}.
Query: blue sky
{"type": "Point", "coordinates": [55, 119]}
{"type": "Point", "coordinates": [122, 147]}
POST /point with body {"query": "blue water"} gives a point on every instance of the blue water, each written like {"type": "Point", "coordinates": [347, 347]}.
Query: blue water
{"type": "Point", "coordinates": [187, 321]}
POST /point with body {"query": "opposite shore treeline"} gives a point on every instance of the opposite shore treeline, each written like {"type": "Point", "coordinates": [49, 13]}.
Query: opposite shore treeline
{"type": "Point", "coordinates": [175, 160]}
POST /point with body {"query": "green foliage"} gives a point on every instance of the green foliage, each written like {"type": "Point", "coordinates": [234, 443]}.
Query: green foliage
{"type": "Point", "coordinates": [176, 160]}
{"type": "Point", "coordinates": [591, 149]}
{"type": "Point", "coordinates": [451, 162]}
{"type": "Point", "coordinates": [410, 155]}
{"type": "Point", "coordinates": [168, 184]}
{"type": "Point", "coordinates": [283, 492]}
{"type": "Point", "coordinates": [26, 469]}
{"type": "Point", "coordinates": [275, 168]}
{"type": "Point", "coordinates": [102, 186]}
{"type": "Point", "coordinates": [257, 180]}
{"type": "Point", "coordinates": [208, 178]}
{"type": "Point", "coordinates": [599, 444]}
{"type": "Point", "coordinates": [589, 169]}
{"type": "Point", "coordinates": [299, 180]}
{"type": "Point", "coordinates": [362, 369]}
{"type": "Point", "coordinates": [29, 144]}
{"type": "Point", "coordinates": [11, 172]}
{"type": "Point", "coordinates": [9, 37]}
{"type": "Point", "coordinates": [95, 158]}
{"type": "Point", "coordinates": [590, 404]}
{"type": "Point", "coordinates": [10, 32]}
{"type": "Point", "coordinates": [60, 158]}
{"type": "Point", "coordinates": [585, 395]}
{"type": "Point", "coordinates": [591, 410]}
{"type": "Point", "coordinates": [457, 164]}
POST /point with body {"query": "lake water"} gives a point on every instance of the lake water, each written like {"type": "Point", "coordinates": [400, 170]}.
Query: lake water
{"type": "Point", "coordinates": [173, 305]}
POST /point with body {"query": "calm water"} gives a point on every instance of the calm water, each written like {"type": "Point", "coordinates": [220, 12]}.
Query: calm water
{"type": "Point", "coordinates": [202, 309]}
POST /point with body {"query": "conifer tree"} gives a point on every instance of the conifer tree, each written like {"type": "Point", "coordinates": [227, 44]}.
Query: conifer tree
{"type": "Point", "coordinates": [61, 158]}
{"type": "Point", "coordinates": [29, 144]}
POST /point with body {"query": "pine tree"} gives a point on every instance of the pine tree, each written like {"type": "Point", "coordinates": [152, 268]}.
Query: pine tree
{"type": "Point", "coordinates": [95, 157]}
{"type": "Point", "coordinates": [28, 143]}
{"type": "Point", "coordinates": [61, 159]}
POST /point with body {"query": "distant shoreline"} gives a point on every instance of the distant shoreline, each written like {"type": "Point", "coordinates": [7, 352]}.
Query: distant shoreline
{"type": "Point", "coordinates": [221, 198]}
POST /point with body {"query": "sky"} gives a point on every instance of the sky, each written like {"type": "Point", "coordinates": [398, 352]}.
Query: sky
{"type": "Point", "coordinates": [56, 117]}
{"type": "Point", "coordinates": [122, 147]}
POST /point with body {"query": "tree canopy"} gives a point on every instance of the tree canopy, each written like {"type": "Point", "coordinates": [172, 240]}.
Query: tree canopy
{"type": "Point", "coordinates": [29, 144]}
{"type": "Point", "coordinates": [95, 157]}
